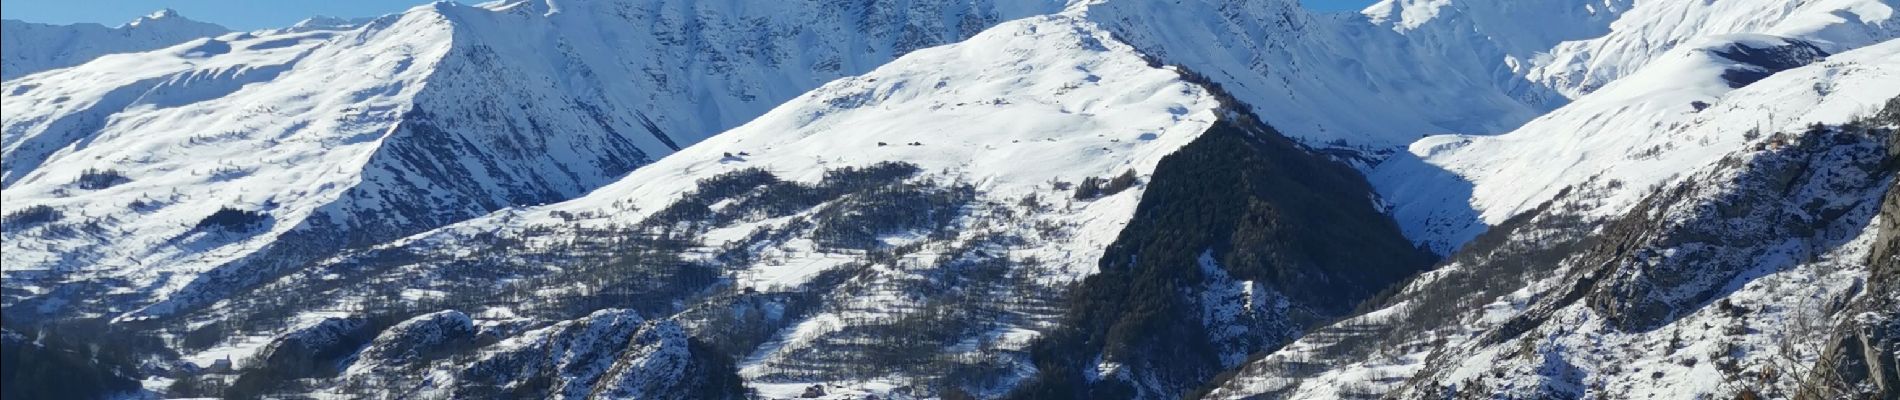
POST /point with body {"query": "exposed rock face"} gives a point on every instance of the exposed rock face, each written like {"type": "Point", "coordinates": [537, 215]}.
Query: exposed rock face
{"type": "Point", "coordinates": [317, 350]}
{"type": "Point", "coordinates": [1683, 245]}
{"type": "Point", "coordinates": [417, 339]}
{"type": "Point", "coordinates": [663, 362]}
{"type": "Point", "coordinates": [1863, 355]}
{"type": "Point", "coordinates": [564, 360]}
{"type": "Point", "coordinates": [609, 354]}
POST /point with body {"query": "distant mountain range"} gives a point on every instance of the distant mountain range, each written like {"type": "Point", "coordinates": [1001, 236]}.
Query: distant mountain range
{"type": "Point", "coordinates": [960, 198]}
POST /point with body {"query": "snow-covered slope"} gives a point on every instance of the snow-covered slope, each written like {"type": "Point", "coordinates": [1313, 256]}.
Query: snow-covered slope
{"type": "Point", "coordinates": [1682, 112]}
{"type": "Point", "coordinates": [27, 47]}
{"type": "Point", "coordinates": [1574, 47]}
{"type": "Point", "coordinates": [1728, 276]}
{"type": "Point", "coordinates": [1068, 94]}
{"type": "Point", "coordinates": [991, 136]}
{"type": "Point", "coordinates": [1110, 198]}
{"type": "Point", "coordinates": [1330, 80]}
{"type": "Point", "coordinates": [323, 23]}
{"type": "Point", "coordinates": [317, 139]}
{"type": "Point", "coordinates": [1715, 287]}
{"type": "Point", "coordinates": [1075, 105]}
{"type": "Point", "coordinates": [467, 110]}
{"type": "Point", "coordinates": [1652, 185]}
{"type": "Point", "coordinates": [1407, 68]}
{"type": "Point", "coordinates": [1727, 282]}
{"type": "Point", "coordinates": [877, 220]}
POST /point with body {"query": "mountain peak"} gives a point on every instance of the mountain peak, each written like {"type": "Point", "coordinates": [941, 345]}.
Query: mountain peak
{"type": "Point", "coordinates": [163, 14]}
{"type": "Point", "coordinates": [34, 47]}
{"type": "Point", "coordinates": [169, 21]}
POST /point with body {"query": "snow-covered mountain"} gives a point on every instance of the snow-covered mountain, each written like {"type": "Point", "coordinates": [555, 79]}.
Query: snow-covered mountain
{"type": "Point", "coordinates": [1447, 189]}
{"type": "Point", "coordinates": [888, 203]}
{"type": "Point", "coordinates": [1576, 47]}
{"type": "Point", "coordinates": [27, 47]}
{"type": "Point", "coordinates": [807, 215]}
{"type": "Point", "coordinates": [1696, 223]}
{"type": "Point", "coordinates": [974, 198]}
{"type": "Point", "coordinates": [1330, 80]}
{"type": "Point", "coordinates": [1695, 250]}
{"type": "Point", "coordinates": [1716, 286]}
{"type": "Point", "coordinates": [244, 155]}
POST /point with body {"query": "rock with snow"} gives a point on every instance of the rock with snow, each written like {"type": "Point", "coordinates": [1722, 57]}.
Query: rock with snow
{"type": "Point", "coordinates": [417, 339]}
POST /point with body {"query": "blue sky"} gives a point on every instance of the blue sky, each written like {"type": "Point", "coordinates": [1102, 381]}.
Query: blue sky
{"type": "Point", "coordinates": [255, 14]}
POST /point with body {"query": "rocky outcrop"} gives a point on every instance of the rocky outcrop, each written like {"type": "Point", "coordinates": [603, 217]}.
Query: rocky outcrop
{"type": "Point", "coordinates": [318, 350]}
{"type": "Point", "coordinates": [1863, 356]}
{"type": "Point", "coordinates": [1682, 246]}
{"type": "Point", "coordinates": [609, 354]}
{"type": "Point", "coordinates": [415, 340]}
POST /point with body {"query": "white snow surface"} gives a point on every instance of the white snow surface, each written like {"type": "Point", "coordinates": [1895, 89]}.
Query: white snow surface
{"type": "Point", "coordinates": [449, 121]}
{"type": "Point", "coordinates": [1772, 308]}
{"type": "Point", "coordinates": [1027, 102]}
{"type": "Point", "coordinates": [349, 133]}
{"type": "Point", "coordinates": [405, 123]}
{"type": "Point", "coordinates": [271, 124]}
{"type": "Point", "coordinates": [1574, 47]}
{"type": "Point", "coordinates": [30, 47]}
{"type": "Point", "coordinates": [1329, 80]}
{"type": "Point", "coordinates": [1621, 141]}
{"type": "Point", "coordinates": [1010, 110]}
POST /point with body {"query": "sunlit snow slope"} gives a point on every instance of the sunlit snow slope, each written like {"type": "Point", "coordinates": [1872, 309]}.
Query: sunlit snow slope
{"type": "Point", "coordinates": [1689, 106]}
{"type": "Point", "coordinates": [1574, 47]}
{"type": "Point", "coordinates": [1727, 252]}
{"type": "Point", "coordinates": [1017, 115]}
{"type": "Point", "coordinates": [318, 139]}
{"type": "Point", "coordinates": [1329, 80]}
{"type": "Point", "coordinates": [27, 47]}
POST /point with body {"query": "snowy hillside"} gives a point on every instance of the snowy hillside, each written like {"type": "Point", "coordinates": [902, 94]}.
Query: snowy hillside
{"type": "Point", "coordinates": [999, 154]}
{"type": "Point", "coordinates": [27, 47]}
{"type": "Point", "coordinates": [1728, 282]}
{"type": "Point", "coordinates": [1369, 83]}
{"type": "Point", "coordinates": [1574, 47]}
{"type": "Point", "coordinates": [473, 109]}
{"type": "Point", "coordinates": [1672, 302]}
{"type": "Point", "coordinates": [1041, 199]}
{"type": "Point", "coordinates": [871, 221]}
{"type": "Point", "coordinates": [1328, 80]}
{"type": "Point", "coordinates": [247, 155]}
{"type": "Point", "coordinates": [1677, 114]}
{"type": "Point", "coordinates": [1739, 255]}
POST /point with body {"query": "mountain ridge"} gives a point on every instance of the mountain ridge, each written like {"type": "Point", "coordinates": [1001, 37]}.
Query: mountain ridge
{"type": "Point", "coordinates": [33, 47]}
{"type": "Point", "coordinates": [967, 198]}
